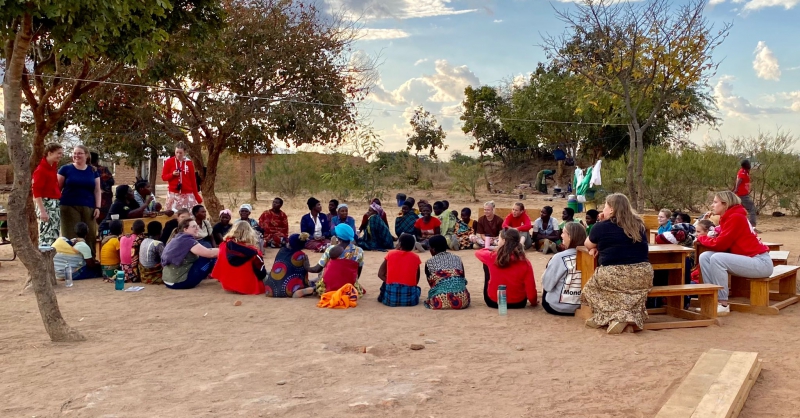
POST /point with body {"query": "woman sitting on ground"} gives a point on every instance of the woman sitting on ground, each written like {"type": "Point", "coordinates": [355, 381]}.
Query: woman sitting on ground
{"type": "Point", "coordinates": [508, 266]}
{"type": "Point", "coordinates": [465, 228]}
{"type": "Point", "coordinates": [518, 219]}
{"type": "Point", "coordinates": [240, 265]}
{"type": "Point", "coordinates": [617, 291]}
{"type": "Point", "coordinates": [76, 256]}
{"type": "Point", "coordinates": [317, 226]}
{"type": "Point", "coordinates": [376, 236]}
{"type": "Point", "coordinates": [223, 226]}
{"type": "Point", "coordinates": [186, 262]}
{"type": "Point", "coordinates": [365, 218]}
{"type": "Point", "coordinates": [445, 273]}
{"type": "Point", "coordinates": [342, 262]}
{"type": "Point", "coordinates": [399, 273]}
{"type": "Point", "coordinates": [342, 212]}
{"type": "Point", "coordinates": [150, 255]}
{"type": "Point", "coordinates": [171, 225]}
{"type": "Point", "coordinates": [404, 224]}
{"type": "Point", "coordinates": [205, 235]}
{"type": "Point", "coordinates": [426, 226]}
{"type": "Point", "coordinates": [736, 249]}
{"type": "Point", "coordinates": [289, 275]}
{"type": "Point", "coordinates": [561, 283]}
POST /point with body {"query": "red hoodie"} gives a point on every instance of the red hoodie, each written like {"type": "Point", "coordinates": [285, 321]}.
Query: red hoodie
{"type": "Point", "coordinates": [45, 181]}
{"type": "Point", "coordinates": [518, 278]}
{"type": "Point", "coordinates": [186, 178]}
{"type": "Point", "coordinates": [735, 236]}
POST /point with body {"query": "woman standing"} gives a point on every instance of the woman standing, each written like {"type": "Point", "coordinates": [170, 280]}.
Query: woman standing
{"type": "Point", "coordinates": [46, 193]}
{"type": "Point", "coordinates": [317, 226]}
{"type": "Point", "coordinates": [179, 173]}
{"type": "Point", "coordinates": [617, 292]}
{"type": "Point", "coordinates": [186, 262]}
{"type": "Point", "coordinates": [508, 266]}
{"type": "Point", "coordinates": [80, 195]}
{"type": "Point", "coordinates": [445, 272]}
{"type": "Point", "coordinates": [736, 250]}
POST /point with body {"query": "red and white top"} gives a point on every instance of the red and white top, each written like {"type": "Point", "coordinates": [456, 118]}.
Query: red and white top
{"type": "Point", "coordinates": [186, 177]}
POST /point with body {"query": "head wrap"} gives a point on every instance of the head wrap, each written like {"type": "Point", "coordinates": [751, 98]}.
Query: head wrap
{"type": "Point", "coordinates": [344, 232]}
{"type": "Point", "coordinates": [246, 206]}
{"type": "Point", "coordinates": [311, 203]}
{"type": "Point", "coordinates": [377, 208]}
{"type": "Point", "coordinates": [341, 205]}
{"type": "Point", "coordinates": [225, 212]}
{"type": "Point", "coordinates": [297, 241]}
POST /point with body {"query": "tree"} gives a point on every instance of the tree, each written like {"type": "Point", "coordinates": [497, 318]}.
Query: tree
{"type": "Point", "coordinates": [278, 71]}
{"type": "Point", "coordinates": [425, 135]}
{"type": "Point", "coordinates": [644, 56]}
{"type": "Point", "coordinates": [55, 51]}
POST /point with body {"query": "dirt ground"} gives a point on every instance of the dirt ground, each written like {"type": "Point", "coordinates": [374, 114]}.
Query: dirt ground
{"type": "Point", "coordinates": [161, 352]}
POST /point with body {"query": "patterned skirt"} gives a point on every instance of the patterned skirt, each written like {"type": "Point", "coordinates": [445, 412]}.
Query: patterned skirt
{"type": "Point", "coordinates": [619, 293]}
{"type": "Point", "coordinates": [449, 293]}
{"type": "Point", "coordinates": [49, 231]}
{"type": "Point", "coordinates": [151, 275]}
{"type": "Point", "coordinates": [176, 201]}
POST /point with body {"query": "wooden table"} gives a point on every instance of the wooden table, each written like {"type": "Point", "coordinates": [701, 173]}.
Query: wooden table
{"type": "Point", "coordinates": [773, 246]}
{"type": "Point", "coordinates": [668, 257]}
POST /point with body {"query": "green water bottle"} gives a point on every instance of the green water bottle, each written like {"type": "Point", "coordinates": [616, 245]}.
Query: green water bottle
{"type": "Point", "coordinates": [502, 303]}
{"type": "Point", "coordinates": [119, 281]}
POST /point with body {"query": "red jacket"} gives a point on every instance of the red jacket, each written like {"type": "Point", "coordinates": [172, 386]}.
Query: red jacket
{"type": "Point", "coordinates": [518, 278]}
{"type": "Point", "coordinates": [186, 178]}
{"type": "Point", "coordinates": [521, 224]}
{"type": "Point", "coordinates": [45, 181]}
{"type": "Point", "coordinates": [736, 236]}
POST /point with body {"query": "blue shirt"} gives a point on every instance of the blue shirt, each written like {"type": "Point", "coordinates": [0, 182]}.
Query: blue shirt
{"type": "Point", "coordinates": [349, 221]}
{"type": "Point", "coordinates": [78, 186]}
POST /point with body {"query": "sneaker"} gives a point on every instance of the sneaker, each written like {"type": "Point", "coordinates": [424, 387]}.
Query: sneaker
{"type": "Point", "coordinates": [723, 310]}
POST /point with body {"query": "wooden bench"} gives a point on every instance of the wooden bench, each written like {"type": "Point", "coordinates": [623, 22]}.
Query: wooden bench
{"type": "Point", "coordinates": [759, 294]}
{"type": "Point", "coordinates": [716, 387]}
{"type": "Point", "coordinates": [779, 258]}
{"type": "Point", "coordinates": [651, 224]}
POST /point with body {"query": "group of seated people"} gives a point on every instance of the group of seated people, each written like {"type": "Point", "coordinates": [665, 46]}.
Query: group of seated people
{"type": "Point", "coordinates": [188, 249]}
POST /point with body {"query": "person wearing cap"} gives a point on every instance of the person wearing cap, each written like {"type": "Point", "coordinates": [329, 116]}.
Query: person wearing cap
{"type": "Point", "coordinates": [376, 235]}
{"type": "Point", "coordinates": [342, 218]}
{"type": "Point", "coordinates": [275, 224]}
{"type": "Point", "coordinates": [244, 216]}
{"type": "Point", "coordinates": [342, 263]}
{"type": "Point", "coordinates": [317, 226]}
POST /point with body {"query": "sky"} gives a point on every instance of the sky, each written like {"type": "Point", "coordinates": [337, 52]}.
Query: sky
{"type": "Point", "coordinates": [430, 50]}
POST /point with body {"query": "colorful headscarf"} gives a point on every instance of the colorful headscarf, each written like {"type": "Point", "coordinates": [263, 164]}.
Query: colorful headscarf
{"type": "Point", "coordinates": [377, 208]}
{"type": "Point", "coordinates": [344, 232]}
{"type": "Point", "coordinates": [225, 212]}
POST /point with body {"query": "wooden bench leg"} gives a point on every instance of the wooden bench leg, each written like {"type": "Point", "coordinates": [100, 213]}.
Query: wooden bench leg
{"type": "Point", "coordinates": [708, 305]}
{"type": "Point", "coordinates": [759, 293]}
{"type": "Point", "coordinates": [788, 285]}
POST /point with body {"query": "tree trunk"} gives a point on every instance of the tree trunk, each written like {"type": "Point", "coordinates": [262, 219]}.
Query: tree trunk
{"type": "Point", "coordinates": [152, 174]}
{"type": "Point", "coordinates": [632, 194]}
{"type": "Point", "coordinates": [639, 171]}
{"type": "Point", "coordinates": [210, 200]}
{"type": "Point", "coordinates": [253, 185]}
{"type": "Point", "coordinates": [39, 266]}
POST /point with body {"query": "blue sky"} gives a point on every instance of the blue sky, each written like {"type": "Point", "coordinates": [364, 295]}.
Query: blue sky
{"type": "Point", "coordinates": [432, 49]}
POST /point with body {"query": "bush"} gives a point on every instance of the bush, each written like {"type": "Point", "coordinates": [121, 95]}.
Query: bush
{"type": "Point", "coordinates": [291, 174]}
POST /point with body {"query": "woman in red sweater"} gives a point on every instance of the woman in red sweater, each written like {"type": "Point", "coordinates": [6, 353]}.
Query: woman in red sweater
{"type": "Point", "coordinates": [46, 195]}
{"type": "Point", "coordinates": [518, 219]}
{"type": "Point", "coordinates": [240, 265]}
{"type": "Point", "coordinates": [735, 250]}
{"type": "Point", "coordinates": [508, 266]}
{"type": "Point", "coordinates": [179, 173]}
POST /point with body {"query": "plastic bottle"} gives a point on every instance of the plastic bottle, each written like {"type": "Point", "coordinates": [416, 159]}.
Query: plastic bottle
{"type": "Point", "coordinates": [502, 303]}
{"type": "Point", "coordinates": [119, 281]}
{"type": "Point", "coordinates": [67, 276]}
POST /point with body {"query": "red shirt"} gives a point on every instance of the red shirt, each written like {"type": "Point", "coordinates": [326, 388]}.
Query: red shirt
{"type": "Point", "coordinates": [744, 185]}
{"type": "Point", "coordinates": [521, 223]}
{"type": "Point", "coordinates": [428, 229]}
{"type": "Point", "coordinates": [518, 278]}
{"type": "Point", "coordinates": [45, 181]}
{"type": "Point", "coordinates": [402, 267]}
{"type": "Point", "coordinates": [186, 178]}
{"type": "Point", "coordinates": [735, 236]}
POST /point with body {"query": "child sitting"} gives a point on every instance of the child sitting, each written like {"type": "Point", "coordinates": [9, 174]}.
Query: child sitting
{"type": "Point", "coordinates": [150, 250]}
{"type": "Point", "coordinates": [664, 222]}
{"type": "Point", "coordinates": [129, 252]}
{"type": "Point", "coordinates": [465, 228]}
{"type": "Point", "coordinates": [75, 255]}
{"type": "Point", "coordinates": [705, 227]}
{"type": "Point", "coordinates": [591, 219]}
{"type": "Point", "coordinates": [109, 251]}
{"type": "Point", "coordinates": [682, 232]}
{"type": "Point", "coordinates": [400, 275]}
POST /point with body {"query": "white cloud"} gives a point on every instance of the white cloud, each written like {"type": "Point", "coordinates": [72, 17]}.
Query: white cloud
{"type": "Point", "coordinates": [793, 68]}
{"type": "Point", "coordinates": [395, 9]}
{"type": "Point", "coordinates": [760, 4]}
{"type": "Point", "coordinates": [733, 105]}
{"type": "Point", "coordinates": [368, 34]}
{"type": "Point", "coordinates": [450, 81]}
{"type": "Point", "coordinates": [420, 61]}
{"type": "Point", "coordinates": [498, 21]}
{"type": "Point", "coordinates": [379, 94]}
{"type": "Point", "coordinates": [765, 63]}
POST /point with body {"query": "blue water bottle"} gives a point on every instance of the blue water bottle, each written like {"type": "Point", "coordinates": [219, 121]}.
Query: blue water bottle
{"type": "Point", "coordinates": [119, 281]}
{"type": "Point", "coordinates": [502, 303]}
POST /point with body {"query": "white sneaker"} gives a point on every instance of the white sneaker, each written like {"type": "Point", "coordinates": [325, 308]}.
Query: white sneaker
{"type": "Point", "coordinates": [723, 310]}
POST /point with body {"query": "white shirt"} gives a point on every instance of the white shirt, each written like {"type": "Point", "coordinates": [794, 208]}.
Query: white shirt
{"type": "Point", "coordinates": [317, 227]}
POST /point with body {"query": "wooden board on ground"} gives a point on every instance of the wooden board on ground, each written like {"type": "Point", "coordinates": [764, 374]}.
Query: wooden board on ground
{"type": "Point", "coordinates": [716, 387]}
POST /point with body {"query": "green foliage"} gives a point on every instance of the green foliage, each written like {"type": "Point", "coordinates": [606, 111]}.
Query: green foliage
{"type": "Point", "coordinates": [350, 175]}
{"type": "Point", "coordinates": [467, 174]}
{"type": "Point", "coordinates": [289, 175]}
{"type": "Point", "coordinates": [425, 135]}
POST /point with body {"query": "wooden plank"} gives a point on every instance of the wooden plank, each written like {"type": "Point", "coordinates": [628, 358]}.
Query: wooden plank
{"type": "Point", "coordinates": [683, 289]}
{"type": "Point", "coordinates": [668, 266]}
{"type": "Point", "coordinates": [683, 402]}
{"type": "Point", "coordinates": [784, 303]}
{"type": "Point", "coordinates": [730, 387]}
{"type": "Point", "coordinates": [127, 224]}
{"type": "Point", "coordinates": [759, 293]}
{"type": "Point", "coordinates": [760, 310]}
{"type": "Point", "coordinates": [684, 314]}
{"type": "Point", "coordinates": [652, 326]}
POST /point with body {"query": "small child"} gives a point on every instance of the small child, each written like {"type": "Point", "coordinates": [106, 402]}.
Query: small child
{"type": "Point", "coordinates": [129, 252]}
{"type": "Point", "coordinates": [591, 219]}
{"type": "Point", "coordinates": [705, 228]}
{"type": "Point", "coordinates": [76, 255]}
{"type": "Point", "coordinates": [400, 275]}
{"type": "Point", "coordinates": [109, 251]}
{"type": "Point", "coordinates": [465, 228]}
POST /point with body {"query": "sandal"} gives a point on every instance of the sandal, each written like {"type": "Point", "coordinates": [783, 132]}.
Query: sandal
{"type": "Point", "coordinates": [617, 327]}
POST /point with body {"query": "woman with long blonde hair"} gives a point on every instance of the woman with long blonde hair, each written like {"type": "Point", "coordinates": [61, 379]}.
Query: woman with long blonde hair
{"type": "Point", "coordinates": [617, 292]}
{"type": "Point", "coordinates": [240, 267]}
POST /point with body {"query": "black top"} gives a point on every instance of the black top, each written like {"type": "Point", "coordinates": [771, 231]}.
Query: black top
{"type": "Point", "coordinates": [121, 208]}
{"type": "Point", "coordinates": [221, 229]}
{"type": "Point", "coordinates": [169, 226]}
{"type": "Point", "coordinates": [615, 247]}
